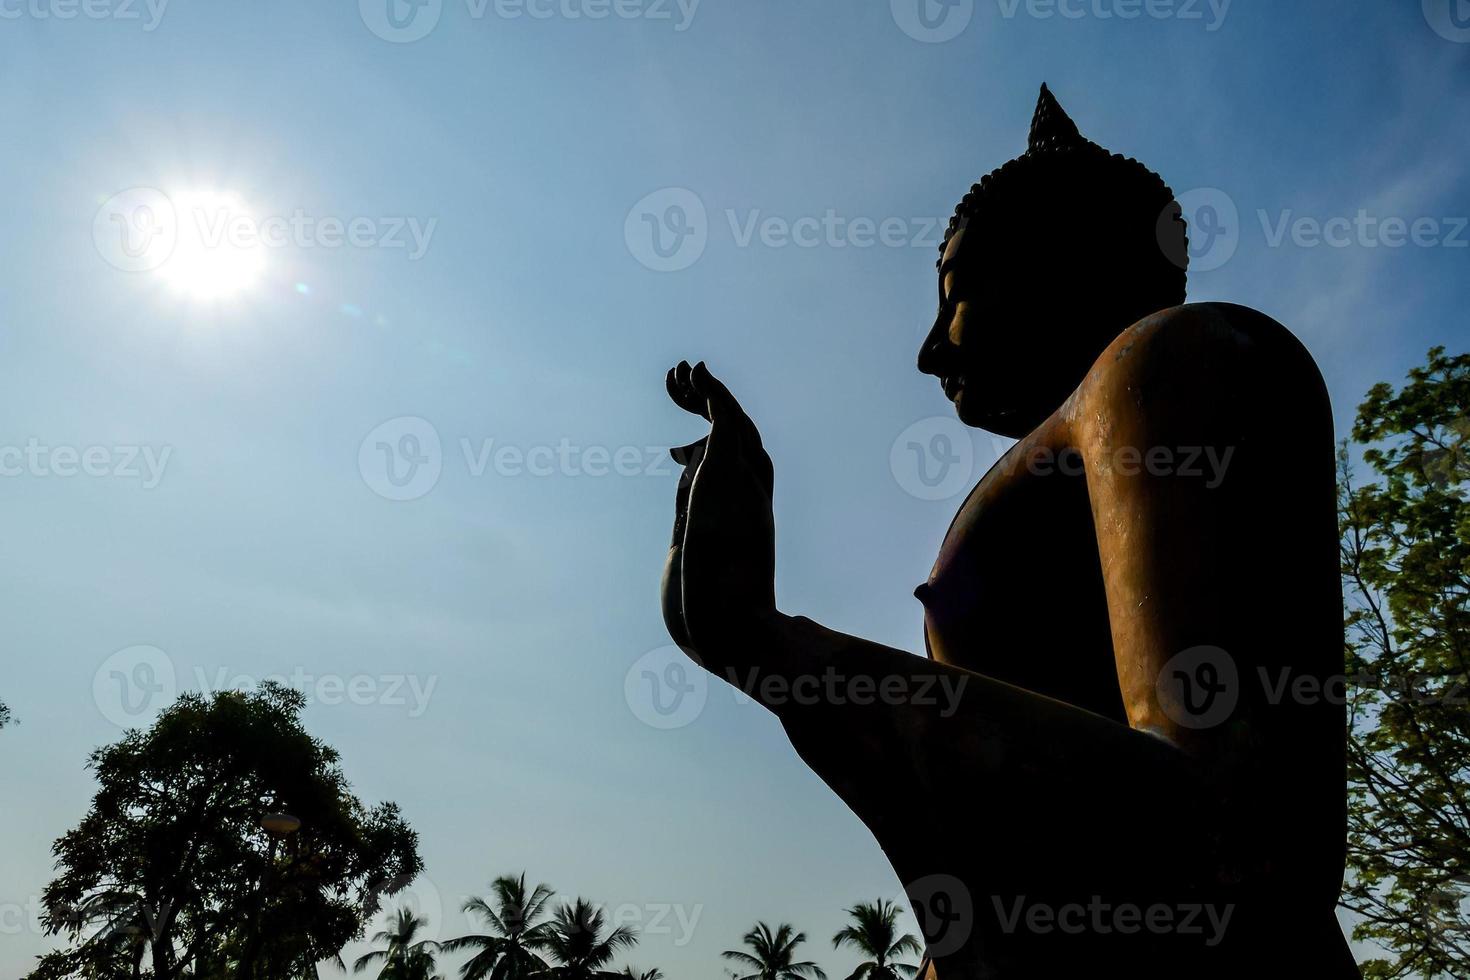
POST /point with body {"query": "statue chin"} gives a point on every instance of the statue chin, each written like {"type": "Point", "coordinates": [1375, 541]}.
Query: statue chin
{"type": "Point", "coordinates": [1012, 423]}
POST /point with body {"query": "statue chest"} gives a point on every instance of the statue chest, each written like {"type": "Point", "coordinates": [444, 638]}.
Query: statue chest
{"type": "Point", "coordinates": [1017, 591]}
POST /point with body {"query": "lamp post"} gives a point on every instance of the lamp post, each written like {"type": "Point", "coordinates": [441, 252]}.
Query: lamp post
{"type": "Point", "coordinates": [278, 826]}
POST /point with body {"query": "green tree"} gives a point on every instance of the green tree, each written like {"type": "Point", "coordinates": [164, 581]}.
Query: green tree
{"type": "Point", "coordinates": [1406, 570]}
{"type": "Point", "coordinates": [772, 955]}
{"type": "Point", "coordinates": [875, 934]}
{"type": "Point", "coordinates": [171, 871]}
{"type": "Point", "coordinates": [511, 949]}
{"type": "Point", "coordinates": [405, 957]}
{"type": "Point", "coordinates": [578, 943]}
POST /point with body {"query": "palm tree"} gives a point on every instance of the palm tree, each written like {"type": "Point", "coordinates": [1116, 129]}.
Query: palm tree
{"type": "Point", "coordinates": [404, 959]}
{"type": "Point", "coordinates": [581, 950]}
{"type": "Point", "coordinates": [875, 934]}
{"type": "Point", "coordinates": [631, 974]}
{"type": "Point", "coordinates": [509, 952]}
{"type": "Point", "coordinates": [774, 956]}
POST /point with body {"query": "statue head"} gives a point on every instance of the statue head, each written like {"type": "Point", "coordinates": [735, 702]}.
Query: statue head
{"type": "Point", "coordinates": [1044, 263]}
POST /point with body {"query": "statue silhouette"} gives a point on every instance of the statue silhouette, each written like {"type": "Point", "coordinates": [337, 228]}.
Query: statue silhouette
{"type": "Point", "coordinates": [1136, 769]}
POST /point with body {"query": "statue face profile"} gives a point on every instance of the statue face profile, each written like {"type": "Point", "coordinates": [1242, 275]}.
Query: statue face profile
{"type": "Point", "coordinates": [1046, 261]}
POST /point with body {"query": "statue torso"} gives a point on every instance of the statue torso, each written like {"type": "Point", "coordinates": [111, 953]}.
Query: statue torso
{"type": "Point", "coordinates": [1016, 592]}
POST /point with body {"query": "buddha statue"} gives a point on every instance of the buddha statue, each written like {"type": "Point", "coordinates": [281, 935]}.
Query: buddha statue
{"type": "Point", "coordinates": [1141, 769]}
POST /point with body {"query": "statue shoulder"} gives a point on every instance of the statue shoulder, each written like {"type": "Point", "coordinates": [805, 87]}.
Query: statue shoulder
{"type": "Point", "coordinates": [1207, 357]}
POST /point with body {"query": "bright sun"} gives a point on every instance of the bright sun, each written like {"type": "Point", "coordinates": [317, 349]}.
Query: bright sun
{"type": "Point", "coordinates": [217, 251]}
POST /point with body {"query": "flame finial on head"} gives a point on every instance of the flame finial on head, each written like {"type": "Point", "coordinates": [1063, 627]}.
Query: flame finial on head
{"type": "Point", "coordinates": [1051, 127]}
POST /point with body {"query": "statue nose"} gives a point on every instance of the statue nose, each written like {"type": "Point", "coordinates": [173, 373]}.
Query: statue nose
{"type": "Point", "coordinates": [931, 352]}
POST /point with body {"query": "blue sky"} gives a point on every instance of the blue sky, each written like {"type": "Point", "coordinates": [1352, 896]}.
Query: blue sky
{"type": "Point", "coordinates": [194, 493]}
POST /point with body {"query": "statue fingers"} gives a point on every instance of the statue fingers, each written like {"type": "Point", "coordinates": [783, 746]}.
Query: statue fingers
{"type": "Point", "coordinates": [681, 390]}
{"type": "Point", "coordinates": [725, 410]}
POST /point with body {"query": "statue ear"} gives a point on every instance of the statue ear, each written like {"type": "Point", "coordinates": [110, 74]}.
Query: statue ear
{"type": "Point", "coordinates": [1051, 127]}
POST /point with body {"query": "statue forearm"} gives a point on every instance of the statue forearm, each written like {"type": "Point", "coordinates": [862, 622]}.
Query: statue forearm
{"type": "Point", "coordinates": [879, 724]}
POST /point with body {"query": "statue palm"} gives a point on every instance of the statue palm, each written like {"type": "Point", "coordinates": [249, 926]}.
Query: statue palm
{"type": "Point", "coordinates": [404, 958]}
{"type": "Point", "coordinates": [577, 942]}
{"type": "Point", "coordinates": [773, 955]}
{"type": "Point", "coordinates": [511, 949]}
{"type": "Point", "coordinates": [875, 934]}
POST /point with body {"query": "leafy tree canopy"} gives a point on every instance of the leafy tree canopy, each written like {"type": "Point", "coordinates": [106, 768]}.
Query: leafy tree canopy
{"type": "Point", "coordinates": [170, 873]}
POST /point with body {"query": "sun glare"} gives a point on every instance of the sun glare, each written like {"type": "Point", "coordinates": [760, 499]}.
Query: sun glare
{"type": "Point", "coordinates": [217, 252]}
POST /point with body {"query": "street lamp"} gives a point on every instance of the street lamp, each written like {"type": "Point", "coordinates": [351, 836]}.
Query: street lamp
{"type": "Point", "coordinates": [278, 826]}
